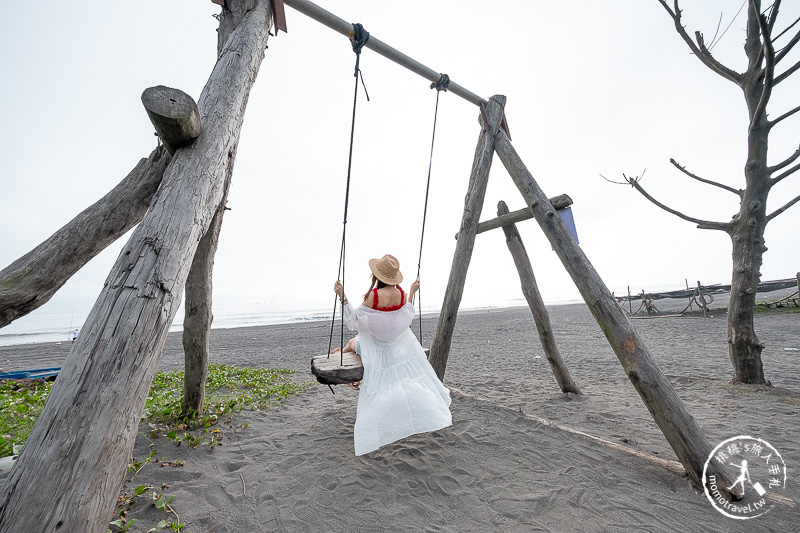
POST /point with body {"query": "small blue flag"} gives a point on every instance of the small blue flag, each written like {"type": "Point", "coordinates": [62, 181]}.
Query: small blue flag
{"type": "Point", "coordinates": [566, 217]}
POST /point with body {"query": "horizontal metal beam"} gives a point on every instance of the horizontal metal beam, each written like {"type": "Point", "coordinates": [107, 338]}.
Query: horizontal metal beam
{"type": "Point", "coordinates": [346, 28]}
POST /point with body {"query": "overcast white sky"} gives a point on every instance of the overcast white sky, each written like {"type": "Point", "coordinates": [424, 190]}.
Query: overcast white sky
{"type": "Point", "coordinates": [592, 87]}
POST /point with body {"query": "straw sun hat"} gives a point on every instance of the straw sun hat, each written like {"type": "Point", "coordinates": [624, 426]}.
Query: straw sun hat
{"type": "Point", "coordinates": [386, 269]}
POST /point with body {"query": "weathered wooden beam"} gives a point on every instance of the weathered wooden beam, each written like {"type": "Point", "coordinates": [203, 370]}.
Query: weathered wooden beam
{"type": "Point", "coordinates": [534, 298]}
{"type": "Point", "coordinates": [559, 202]}
{"type": "Point", "coordinates": [93, 411]}
{"type": "Point", "coordinates": [198, 316]}
{"type": "Point", "coordinates": [197, 293]}
{"type": "Point", "coordinates": [174, 115]}
{"type": "Point", "coordinates": [473, 204]}
{"type": "Point", "coordinates": [690, 444]}
{"type": "Point", "coordinates": [30, 281]}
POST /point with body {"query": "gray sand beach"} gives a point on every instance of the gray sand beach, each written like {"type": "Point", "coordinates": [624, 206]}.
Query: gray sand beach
{"type": "Point", "coordinates": [520, 456]}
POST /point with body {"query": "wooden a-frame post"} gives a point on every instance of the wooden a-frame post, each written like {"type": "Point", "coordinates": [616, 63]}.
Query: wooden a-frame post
{"type": "Point", "coordinates": [534, 298]}
{"type": "Point", "coordinates": [687, 440]}
{"type": "Point", "coordinates": [197, 294]}
{"type": "Point", "coordinates": [679, 427]}
{"type": "Point", "coordinates": [530, 290]}
{"type": "Point", "coordinates": [476, 192]}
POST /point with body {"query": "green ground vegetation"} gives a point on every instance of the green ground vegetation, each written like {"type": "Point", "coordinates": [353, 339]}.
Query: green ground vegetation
{"type": "Point", "coordinates": [228, 389]}
{"type": "Point", "coordinates": [790, 304]}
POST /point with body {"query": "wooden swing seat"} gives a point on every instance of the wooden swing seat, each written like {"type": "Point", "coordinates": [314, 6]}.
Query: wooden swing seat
{"type": "Point", "coordinates": [340, 370]}
{"type": "Point", "coordinates": [337, 369]}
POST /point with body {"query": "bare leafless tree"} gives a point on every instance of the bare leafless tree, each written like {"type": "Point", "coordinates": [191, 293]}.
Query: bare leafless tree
{"type": "Point", "coordinates": [746, 227]}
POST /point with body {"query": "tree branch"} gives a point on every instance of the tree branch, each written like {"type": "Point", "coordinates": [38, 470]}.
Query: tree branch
{"type": "Point", "coordinates": [789, 172]}
{"type": "Point", "coordinates": [788, 161]}
{"type": "Point", "coordinates": [785, 30]}
{"type": "Point", "coordinates": [782, 209]}
{"type": "Point", "coordinates": [788, 48]}
{"type": "Point", "coordinates": [773, 15]}
{"type": "Point", "coordinates": [785, 115]}
{"type": "Point", "coordinates": [617, 182]}
{"type": "Point", "coordinates": [700, 50]}
{"type": "Point", "coordinates": [737, 192]}
{"type": "Point", "coordinates": [769, 68]}
{"type": "Point", "coordinates": [753, 48]}
{"type": "Point", "coordinates": [701, 224]}
{"type": "Point", "coordinates": [785, 74]}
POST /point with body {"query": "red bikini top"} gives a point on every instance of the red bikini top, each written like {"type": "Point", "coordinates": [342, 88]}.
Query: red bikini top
{"type": "Point", "coordinates": [391, 308]}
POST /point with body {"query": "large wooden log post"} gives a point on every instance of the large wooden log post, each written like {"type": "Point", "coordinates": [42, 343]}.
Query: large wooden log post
{"type": "Point", "coordinates": [198, 315]}
{"type": "Point", "coordinates": [473, 204]}
{"type": "Point", "coordinates": [679, 427]}
{"type": "Point", "coordinates": [198, 295]}
{"type": "Point", "coordinates": [534, 298]}
{"type": "Point", "coordinates": [174, 115]}
{"type": "Point", "coordinates": [30, 281]}
{"type": "Point", "coordinates": [68, 475]}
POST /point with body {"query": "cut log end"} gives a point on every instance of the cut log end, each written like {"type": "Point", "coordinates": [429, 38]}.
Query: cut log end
{"type": "Point", "coordinates": [174, 115]}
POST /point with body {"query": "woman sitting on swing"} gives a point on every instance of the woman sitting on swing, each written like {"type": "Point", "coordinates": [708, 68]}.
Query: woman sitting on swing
{"type": "Point", "coordinates": [400, 394]}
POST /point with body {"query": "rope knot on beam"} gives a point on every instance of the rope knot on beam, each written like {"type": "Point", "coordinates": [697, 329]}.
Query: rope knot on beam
{"type": "Point", "coordinates": [359, 37]}
{"type": "Point", "coordinates": [442, 84]}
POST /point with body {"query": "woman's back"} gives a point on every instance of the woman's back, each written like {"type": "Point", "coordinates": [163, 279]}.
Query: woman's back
{"type": "Point", "coordinates": [388, 296]}
{"type": "Point", "coordinates": [381, 326]}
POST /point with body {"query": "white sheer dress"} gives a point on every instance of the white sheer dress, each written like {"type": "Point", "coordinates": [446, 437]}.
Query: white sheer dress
{"type": "Point", "coordinates": [400, 394]}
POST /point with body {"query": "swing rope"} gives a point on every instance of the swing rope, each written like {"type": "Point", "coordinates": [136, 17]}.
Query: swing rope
{"type": "Point", "coordinates": [358, 39]}
{"type": "Point", "coordinates": [441, 85]}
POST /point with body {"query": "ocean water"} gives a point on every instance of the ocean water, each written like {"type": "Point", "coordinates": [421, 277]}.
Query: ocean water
{"type": "Point", "coordinates": [43, 327]}
{"type": "Point", "coordinates": [58, 327]}
{"type": "Point", "coordinates": [40, 327]}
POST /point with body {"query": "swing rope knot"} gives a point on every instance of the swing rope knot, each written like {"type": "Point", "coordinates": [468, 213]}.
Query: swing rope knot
{"type": "Point", "coordinates": [442, 84]}
{"type": "Point", "coordinates": [359, 37]}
